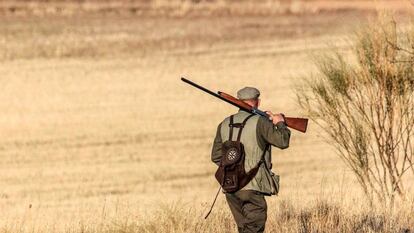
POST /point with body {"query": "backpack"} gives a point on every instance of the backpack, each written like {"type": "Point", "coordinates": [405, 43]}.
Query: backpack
{"type": "Point", "coordinates": [231, 174]}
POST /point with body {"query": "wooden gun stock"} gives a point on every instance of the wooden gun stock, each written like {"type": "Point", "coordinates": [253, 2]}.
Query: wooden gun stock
{"type": "Point", "coordinates": [300, 124]}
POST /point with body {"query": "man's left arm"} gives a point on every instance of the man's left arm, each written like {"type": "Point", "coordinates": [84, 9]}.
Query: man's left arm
{"type": "Point", "coordinates": [216, 151]}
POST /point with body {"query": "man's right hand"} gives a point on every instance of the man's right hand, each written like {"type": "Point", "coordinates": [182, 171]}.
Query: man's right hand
{"type": "Point", "coordinates": [275, 118]}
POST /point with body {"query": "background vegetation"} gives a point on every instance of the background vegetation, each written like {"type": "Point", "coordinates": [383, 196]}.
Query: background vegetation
{"type": "Point", "coordinates": [367, 109]}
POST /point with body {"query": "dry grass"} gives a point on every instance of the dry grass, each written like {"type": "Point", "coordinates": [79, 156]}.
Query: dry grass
{"type": "Point", "coordinates": [128, 36]}
{"type": "Point", "coordinates": [195, 8]}
{"type": "Point", "coordinates": [97, 130]}
{"type": "Point", "coordinates": [284, 217]}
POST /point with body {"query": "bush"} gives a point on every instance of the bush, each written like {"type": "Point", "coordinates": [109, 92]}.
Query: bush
{"type": "Point", "coordinates": [366, 107]}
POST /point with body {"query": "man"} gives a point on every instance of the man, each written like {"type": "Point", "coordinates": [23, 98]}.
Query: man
{"type": "Point", "coordinates": [248, 205]}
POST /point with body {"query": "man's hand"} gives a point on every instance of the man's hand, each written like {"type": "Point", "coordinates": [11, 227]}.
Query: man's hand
{"type": "Point", "coordinates": [275, 118]}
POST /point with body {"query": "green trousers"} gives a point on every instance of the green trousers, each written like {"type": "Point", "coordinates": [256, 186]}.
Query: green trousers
{"type": "Point", "coordinates": [249, 210]}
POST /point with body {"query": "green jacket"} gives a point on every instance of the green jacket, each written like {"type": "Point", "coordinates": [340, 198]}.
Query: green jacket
{"type": "Point", "coordinates": [257, 134]}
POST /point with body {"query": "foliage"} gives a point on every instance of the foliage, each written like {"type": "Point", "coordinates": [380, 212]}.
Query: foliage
{"type": "Point", "coordinates": [367, 108]}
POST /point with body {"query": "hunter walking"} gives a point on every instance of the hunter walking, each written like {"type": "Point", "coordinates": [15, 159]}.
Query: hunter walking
{"type": "Point", "coordinates": [242, 150]}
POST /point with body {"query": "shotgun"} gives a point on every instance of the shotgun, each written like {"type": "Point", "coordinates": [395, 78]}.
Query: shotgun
{"type": "Point", "coordinates": [300, 124]}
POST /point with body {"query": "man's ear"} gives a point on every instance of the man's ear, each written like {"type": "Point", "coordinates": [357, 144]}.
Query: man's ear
{"type": "Point", "coordinates": [258, 103]}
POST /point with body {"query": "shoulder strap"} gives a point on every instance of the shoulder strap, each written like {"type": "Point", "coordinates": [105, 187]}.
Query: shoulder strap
{"type": "Point", "coordinates": [231, 128]}
{"type": "Point", "coordinates": [262, 159]}
{"type": "Point", "coordinates": [237, 125]}
{"type": "Point", "coordinates": [242, 126]}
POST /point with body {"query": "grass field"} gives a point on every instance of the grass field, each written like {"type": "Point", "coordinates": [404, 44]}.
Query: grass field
{"type": "Point", "coordinates": [98, 134]}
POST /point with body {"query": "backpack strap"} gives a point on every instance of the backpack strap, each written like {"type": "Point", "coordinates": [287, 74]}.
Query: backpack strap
{"type": "Point", "coordinates": [212, 205]}
{"type": "Point", "coordinates": [252, 173]}
{"type": "Point", "coordinates": [231, 128]}
{"type": "Point", "coordinates": [237, 125]}
{"type": "Point", "coordinates": [242, 126]}
{"type": "Point", "coordinates": [262, 159]}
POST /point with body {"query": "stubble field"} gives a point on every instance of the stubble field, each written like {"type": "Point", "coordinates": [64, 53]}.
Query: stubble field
{"type": "Point", "coordinates": [98, 134]}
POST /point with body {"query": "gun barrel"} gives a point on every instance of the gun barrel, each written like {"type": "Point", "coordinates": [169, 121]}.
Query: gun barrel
{"type": "Point", "coordinates": [198, 86]}
{"type": "Point", "coordinates": [212, 93]}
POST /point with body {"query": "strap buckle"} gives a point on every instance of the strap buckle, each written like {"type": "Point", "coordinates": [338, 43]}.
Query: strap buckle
{"type": "Point", "coordinates": [237, 125]}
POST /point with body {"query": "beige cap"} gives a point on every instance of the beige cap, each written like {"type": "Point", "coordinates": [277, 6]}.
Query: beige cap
{"type": "Point", "coordinates": [248, 93]}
